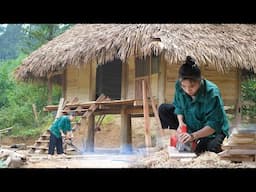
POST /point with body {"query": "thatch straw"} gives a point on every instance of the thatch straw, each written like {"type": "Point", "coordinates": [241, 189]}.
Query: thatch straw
{"type": "Point", "coordinates": [221, 45]}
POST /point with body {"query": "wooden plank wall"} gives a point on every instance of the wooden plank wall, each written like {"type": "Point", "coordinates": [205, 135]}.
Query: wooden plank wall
{"type": "Point", "coordinates": [171, 77]}
{"type": "Point", "coordinates": [131, 81]}
{"type": "Point", "coordinates": [131, 78]}
{"type": "Point", "coordinates": [228, 82]}
{"type": "Point", "coordinates": [77, 82]}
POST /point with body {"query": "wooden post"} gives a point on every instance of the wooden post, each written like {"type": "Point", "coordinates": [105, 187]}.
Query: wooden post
{"type": "Point", "coordinates": [238, 113]}
{"type": "Point", "coordinates": [90, 135]}
{"type": "Point", "coordinates": [35, 112]}
{"type": "Point", "coordinates": [91, 118]}
{"type": "Point", "coordinates": [146, 115]}
{"type": "Point", "coordinates": [162, 81]}
{"type": "Point", "coordinates": [125, 129]}
{"type": "Point", "coordinates": [49, 85]}
{"type": "Point", "coordinates": [60, 107]}
{"type": "Point", "coordinates": [124, 81]}
{"type": "Point", "coordinates": [125, 132]}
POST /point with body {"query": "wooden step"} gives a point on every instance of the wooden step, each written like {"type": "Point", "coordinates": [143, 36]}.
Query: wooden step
{"type": "Point", "coordinates": [46, 134]}
{"type": "Point", "coordinates": [45, 137]}
{"type": "Point", "coordinates": [38, 147]}
{"type": "Point", "coordinates": [42, 141]}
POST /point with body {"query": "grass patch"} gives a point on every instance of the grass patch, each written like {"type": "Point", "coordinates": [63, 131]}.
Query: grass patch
{"type": "Point", "coordinates": [35, 131]}
{"type": "Point", "coordinates": [107, 119]}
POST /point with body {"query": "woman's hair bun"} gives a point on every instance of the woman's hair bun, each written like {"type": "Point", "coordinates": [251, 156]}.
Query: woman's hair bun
{"type": "Point", "coordinates": [190, 61]}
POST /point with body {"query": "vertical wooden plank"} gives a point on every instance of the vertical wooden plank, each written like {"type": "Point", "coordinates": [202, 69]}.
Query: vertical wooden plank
{"type": "Point", "coordinates": [92, 82]}
{"type": "Point", "coordinates": [64, 85]}
{"type": "Point", "coordinates": [131, 78]}
{"type": "Point", "coordinates": [126, 129]}
{"type": "Point", "coordinates": [60, 107]}
{"type": "Point", "coordinates": [91, 119]}
{"type": "Point", "coordinates": [49, 87]}
{"type": "Point", "coordinates": [125, 132]}
{"type": "Point", "coordinates": [124, 83]}
{"type": "Point", "coordinates": [162, 81]}
{"type": "Point", "coordinates": [238, 112]}
{"type": "Point", "coordinates": [90, 134]}
{"type": "Point", "coordinates": [146, 115]}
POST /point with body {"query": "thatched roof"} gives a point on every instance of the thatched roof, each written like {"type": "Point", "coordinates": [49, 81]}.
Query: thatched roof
{"type": "Point", "coordinates": [222, 45]}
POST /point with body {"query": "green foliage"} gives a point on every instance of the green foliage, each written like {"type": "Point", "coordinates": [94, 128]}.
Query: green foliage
{"type": "Point", "coordinates": [39, 34]}
{"type": "Point", "coordinates": [17, 98]}
{"type": "Point", "coordinates": [26, 37]}
{"type": "Point", "coordinates": [107, 119]}
{"type": "Point", "coordinates": [16, 108]}
{"type": "Point", "coordinates": [10, 38]}
{"type": "Point", "coordinates": [249, 97]}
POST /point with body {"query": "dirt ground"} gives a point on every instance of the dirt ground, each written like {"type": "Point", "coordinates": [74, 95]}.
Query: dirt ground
{"type": "Point", "coordinates": [108, 140]}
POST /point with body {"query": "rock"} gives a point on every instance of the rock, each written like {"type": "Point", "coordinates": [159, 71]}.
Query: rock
{"type": "Point", "coordinates": [12, 159]}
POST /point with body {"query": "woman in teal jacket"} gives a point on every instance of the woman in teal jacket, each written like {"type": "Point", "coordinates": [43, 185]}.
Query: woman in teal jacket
{"type": "Point", "coordinates": [60, 127]}
{"type": "Point", "coordinates": [198, 105]}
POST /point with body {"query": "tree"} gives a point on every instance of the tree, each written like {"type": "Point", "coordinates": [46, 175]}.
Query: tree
{"type": "Point", "coordinates": [10, 41]}
{"type": "Point", "coordinates": [39, 34]}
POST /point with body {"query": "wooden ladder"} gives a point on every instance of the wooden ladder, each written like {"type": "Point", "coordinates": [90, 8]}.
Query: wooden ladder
{"type": "Point", "coordinates": [42, 143]}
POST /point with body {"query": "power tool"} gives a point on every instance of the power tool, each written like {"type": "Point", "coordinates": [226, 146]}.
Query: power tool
{"type": "Point", "coordinates": [181, 147]}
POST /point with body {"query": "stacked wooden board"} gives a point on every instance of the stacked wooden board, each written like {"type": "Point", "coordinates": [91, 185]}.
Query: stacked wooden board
{"type": "Point", "coordinates": [241, 145]}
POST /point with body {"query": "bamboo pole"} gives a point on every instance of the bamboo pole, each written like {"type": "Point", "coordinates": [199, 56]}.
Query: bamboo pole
{"type": "Point", "coordinates": [35, 112]}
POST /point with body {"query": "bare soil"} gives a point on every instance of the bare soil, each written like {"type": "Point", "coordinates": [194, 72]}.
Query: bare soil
{"type": "Point", "coordinates": [109, 138]}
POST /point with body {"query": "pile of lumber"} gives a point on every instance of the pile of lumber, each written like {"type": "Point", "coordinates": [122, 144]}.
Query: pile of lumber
{"type": "Point", "coordinates": [241, 145]}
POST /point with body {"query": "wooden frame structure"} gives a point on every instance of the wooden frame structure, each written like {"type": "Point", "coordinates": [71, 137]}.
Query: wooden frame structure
{"type": "Point", "coordinates": [161, 90]}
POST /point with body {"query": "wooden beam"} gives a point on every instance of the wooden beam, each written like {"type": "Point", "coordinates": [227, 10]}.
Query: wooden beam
{"type": "Point", "coordinates": [52, 74]}
{"type": "Point", "coordinates": [116, 103]}
{"type": "Point", "coordinates": [124, 81]}
{"type": "Point", "coordinates": [60, 107]}
{"type": "Point", "coordinates": [92, 91]}
{"type": "Point", "coordinates": [91, 118]}
{"type": "Point", "coordinates": [90, 134]}
{"type": "Point", "coordinates": [146, 115]}
{"type": "Point", "coordinates": [125, 130]}
{"type": "Point", "coordinates": [241, 151]}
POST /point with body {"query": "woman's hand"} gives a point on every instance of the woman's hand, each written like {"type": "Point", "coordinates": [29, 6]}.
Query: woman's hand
{"type": "Point", "coordinates": [179, 130]}
{"type": "Point", "coordinates": [184, 137]}
{"type": "Point", "coordinates": [69, 135]}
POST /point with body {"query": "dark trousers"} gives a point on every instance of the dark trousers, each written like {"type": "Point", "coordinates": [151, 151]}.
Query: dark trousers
{"type": "Point", "coordinates": [167, 116]}
{"type": "Point", "coordinates": [210, 144]}
{"type": "Point", "coordinates": [169, 120]}
{"type": "Point", "coordinates": [55, 142]}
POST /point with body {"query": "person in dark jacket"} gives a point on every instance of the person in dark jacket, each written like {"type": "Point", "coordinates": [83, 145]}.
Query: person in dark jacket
{"type": "Point", "coordinates": [198, 105]}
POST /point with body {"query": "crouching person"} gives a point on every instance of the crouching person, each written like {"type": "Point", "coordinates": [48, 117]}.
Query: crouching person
{"type": "Point", "coordinates": [198, 105]}
{"type": "Point", "coordinates": [60, 127]}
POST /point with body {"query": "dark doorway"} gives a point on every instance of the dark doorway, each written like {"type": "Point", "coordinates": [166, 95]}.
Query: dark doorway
{"type": "Point", "coordinates": [108, 79]}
